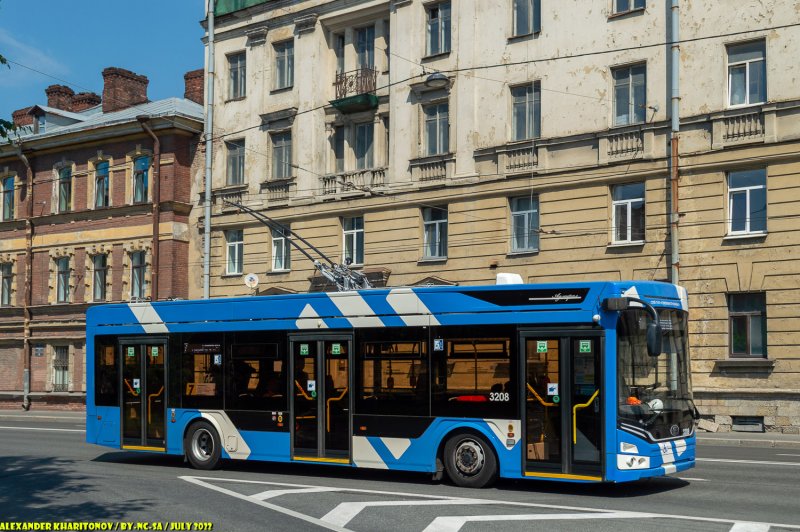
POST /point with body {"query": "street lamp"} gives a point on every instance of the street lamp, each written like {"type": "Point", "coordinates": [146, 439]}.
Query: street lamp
{"type": "Point", "coordinates": [437, 80]}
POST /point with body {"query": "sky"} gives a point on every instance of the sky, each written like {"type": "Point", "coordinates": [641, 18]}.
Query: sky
{"type": "Point", "coordinates": [71, 42]}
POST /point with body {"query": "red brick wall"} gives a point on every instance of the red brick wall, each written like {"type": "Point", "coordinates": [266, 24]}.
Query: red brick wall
{"type": "Point", "coordinates": [41, 277]}
{"type": "Point", "coordinates": [116, 273]}
{"type": "Point", "coordinates": [79, 274]}
{"type": "Point", "coordinates": [11, 364]}
{"type": "Point", "coordinates": [122, 89]}
{"type": "Point", "coordinates": [193, 82]}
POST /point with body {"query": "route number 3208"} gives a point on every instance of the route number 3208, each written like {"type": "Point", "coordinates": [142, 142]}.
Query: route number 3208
{"type": "Point", "coordinates": [498, 396]}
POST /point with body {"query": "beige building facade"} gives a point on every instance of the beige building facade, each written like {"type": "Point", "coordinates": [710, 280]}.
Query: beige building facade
{"type": "Point", "coordinates": [444, 142]}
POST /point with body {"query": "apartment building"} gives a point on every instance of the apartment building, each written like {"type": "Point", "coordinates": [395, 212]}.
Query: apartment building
{"type": "Point", "coordinates": [95, 207]}
{"type": "Point", "coordinates": [445, 141]}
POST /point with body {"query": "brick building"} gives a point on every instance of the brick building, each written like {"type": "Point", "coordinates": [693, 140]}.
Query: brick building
{"type": "Point", "coordinates": [95, 206]}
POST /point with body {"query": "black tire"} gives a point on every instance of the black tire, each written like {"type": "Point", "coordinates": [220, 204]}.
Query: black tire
{"type": "Point", "coordinates": [202, 446]}
{"type": "Point", "coordinates": [470, 461]}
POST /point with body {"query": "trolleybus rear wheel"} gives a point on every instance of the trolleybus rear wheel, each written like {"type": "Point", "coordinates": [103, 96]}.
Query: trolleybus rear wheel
{"type": "Point", "coordinates": [470, 461]}
{"type": "Point", "coordinates": [202, 446]}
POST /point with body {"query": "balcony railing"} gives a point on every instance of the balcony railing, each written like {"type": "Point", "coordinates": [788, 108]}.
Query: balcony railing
{"type": "Point", "coordinates": [358, 180]}
{"type": "Point", "coordinates": [278, 190]}
{"type": "Point", "coordinates": [234, 194]}
{"type": "Point", "coordinates": [361, 81]}
{"type": "Point", "coordinates": [625, 145]}
{"type": "Point", "coordinates": [744, 127]}
{"type": "Point", "coordinates": [432, 169]}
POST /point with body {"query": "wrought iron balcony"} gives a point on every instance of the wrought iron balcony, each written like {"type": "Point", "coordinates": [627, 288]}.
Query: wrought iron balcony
{"type": "Point", "coordinates": [355, 90]}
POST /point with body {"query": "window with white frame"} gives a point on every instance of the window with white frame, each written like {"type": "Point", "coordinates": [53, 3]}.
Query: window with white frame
{"type": "Point", "coordinates": [628, 213]}
{"type": "Point", "coordinates": [65, 189]}
{"type": "Point", "coordinates": [434, 226]}
{"type": "Point", "coordinates": [623, 6]}
{"type": "Point", "coordinates": [284, 65]}
{"type": "Point", "coordinates": [747, 316]}
{"type": "Point", "coordinates": [237, 76]}
{"type": "Point", "coordinates": [338, 148]}
{"type": "Point", "coordinates": [281, 155]}
{"type": "Point", "coordinates": [281, 249]}
{"type": "Point", "coordinates": [61, 368]}
{"type": "Point", "coordinates": [437, 129]}
{"type": "Point", "coordinates": [62, 279]}
{"type": "Point", "coordinates": [630, 95]}
{"type": "Point", "coordinates": [365, 47]}
{"type": "Point", "coordinates": [338, 50]}
{"type": "Point", "coordinates": [235, 162]}
{"type": "Point", "coordinates": [138, 269]}
{"type": "Point", "coordinates": [234, 245]}
{"type": "Point", "coordinates": [364, 145]}
{"type": "Point", "coordinates": [439, 28]}
{"type": "Point", "coordinates": [99, 276]}
{"type": "Point", "coordinates": [141, 169]}
{"type": "Point", "coordinates": [353, 231]}
{"type": "Point", "coordinates": [527, 17]}
{"type": "Point", "coordinates": [526, 111]}
{"type": "Point", "coordinates": [747, 73]}
{"type": "Point", "coordinates": [6, 278]}
{"type": "Point", "coordinates": [101, 188]}
{"type": "Point", "coordinates": [524, 224]}
{"type": "Point", "coordinates": [747, 202]}
{"type": "Point", "coordinates": [7, 185]}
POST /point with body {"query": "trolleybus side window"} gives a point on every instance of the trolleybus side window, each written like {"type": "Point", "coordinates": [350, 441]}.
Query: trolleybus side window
{"type": "Point", "coordinates": [257, 377]}
{"type": "Point", "coordinates": [202, 371]}
{"type": "Point", "coordinates": [106, 391]}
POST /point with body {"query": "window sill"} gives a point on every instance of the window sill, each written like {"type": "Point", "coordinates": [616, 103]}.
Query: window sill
{"type": "Point", "coordinates": [239, 99]}
{"type": "Point", "coordinates": [745, 105]}
{"type": "Point", "coordinates": [523, 37]}
{"type": "Point", "coordinates": [278, 272]}
{"type": "Point", "coordinates": [522, 253]}
{"type": "Point", "coordinates": [432, 260]}
{"type": "Point", "coordinates": [231, 275]}
{"type": "Point", "coordinates": [744, 365]}
{"type": "Point", "coordinates": [434, 57]}
{"type": "Point", "coordinates": [748, 236]}
{"type": "Point", "coordinates": [633, 243]}
{"type": "Point", "coordinates": [623, 14]}
{"type": "Point", "coordinates": [281, 89]}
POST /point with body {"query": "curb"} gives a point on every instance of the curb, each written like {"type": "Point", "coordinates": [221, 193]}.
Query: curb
{"type": "Point", "coordinates": [742, 442]}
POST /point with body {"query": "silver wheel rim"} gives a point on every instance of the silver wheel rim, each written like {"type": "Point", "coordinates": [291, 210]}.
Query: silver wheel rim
{"type": "Point", "coordinates": [469, 458]}
{"type": "Point", "coordinates": [202, 445]}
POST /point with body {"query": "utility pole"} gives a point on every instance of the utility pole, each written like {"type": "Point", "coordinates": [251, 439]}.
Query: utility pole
{"type": "Point", "coordinates": [209, 129]}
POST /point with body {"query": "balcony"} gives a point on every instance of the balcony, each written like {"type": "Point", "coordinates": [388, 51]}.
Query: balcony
{"type": "Point", "coordinates": [278, 190]}
{"type": "Point", "coordinates": [433, 169]}
{"type": "Point", "coordinates": [516, 157]}
{"type": "Point", "coordinates": [355, 91]}
{"type": "Point", "coordinates": [231, 193]}
{"type": "Point", "coordinates": [354, 181]}
{"type": "Point", "coordinates": [741, 126]}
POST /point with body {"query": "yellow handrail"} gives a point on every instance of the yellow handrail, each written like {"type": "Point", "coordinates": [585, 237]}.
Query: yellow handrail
{"type": "Point", "coordinates": [328, 408]}
{"type": "Point", "coordinates": [302, 391]}
{"type": "Point", "coordinates": [575, 413]}
{"type": "Point", "coordinates": [134, 392]}
{"type": "Point", "coordinates": [150, 398]}
{"type": "Point", "coordinates": [544, 403]}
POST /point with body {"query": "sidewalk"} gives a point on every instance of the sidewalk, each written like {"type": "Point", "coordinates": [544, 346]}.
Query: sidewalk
{"type": "Point", "coordinates": [750, 439]}
{"type": "Point", "coordinates": [43, 415]}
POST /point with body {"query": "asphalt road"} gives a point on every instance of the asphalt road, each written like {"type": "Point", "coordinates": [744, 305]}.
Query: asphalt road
{"type": "Point", "coordinates": [47, 473]}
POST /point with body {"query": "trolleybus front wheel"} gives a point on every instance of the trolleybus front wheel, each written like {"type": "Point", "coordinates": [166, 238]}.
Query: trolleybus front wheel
{"type": "Point", "coordinates": [470, 461]}
{"type": "Point", "coordinates": [202, 446]}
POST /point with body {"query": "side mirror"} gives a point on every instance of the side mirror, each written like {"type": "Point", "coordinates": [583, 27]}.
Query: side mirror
{"type": "Point", "coordinates": [653, 339]}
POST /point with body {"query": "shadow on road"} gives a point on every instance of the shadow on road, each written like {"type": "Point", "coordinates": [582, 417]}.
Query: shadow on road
{"type": "Point", "coordinates": [49, 489]}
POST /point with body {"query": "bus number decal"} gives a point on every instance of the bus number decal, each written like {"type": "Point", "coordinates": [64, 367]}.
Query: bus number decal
{"type": "Point", "coordinates": [498, 396]}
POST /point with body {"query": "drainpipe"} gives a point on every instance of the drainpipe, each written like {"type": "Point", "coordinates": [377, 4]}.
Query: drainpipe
{"type": "Point", "coordinates": [156, 201]}
{"type": "Point", "coordinates": [674, 176]}
{"type": "Point", "coordinates": [209, 128]}
{"type": "Point", "coordinates": [27, 297]}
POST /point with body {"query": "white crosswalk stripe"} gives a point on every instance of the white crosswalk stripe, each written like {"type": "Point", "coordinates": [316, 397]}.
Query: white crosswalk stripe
{"type": "Point", "coordinates": [454, 523]}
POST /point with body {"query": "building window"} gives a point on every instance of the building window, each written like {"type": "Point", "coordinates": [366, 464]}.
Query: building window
{"type": "Point", "coordinates": [141, 167]}
{"type": "Point", "coordinates": [65, 190]}
{"type": "Point", "coordinates": [284, 65]}
{"type": "Point", "coordinates": [629, 95]}
{"type": "Point", "coordinates": [527, 17]}
{"type": "Point", "coordinates": [434, 221]}
{"type": "Point", "coordinates": [62, 280]}
{"type": "Point", "coordinates": [747, 314]}
{"type": "Point", "coordinates": [747, 73]}
{"type": "Point", "coordinates": [365, 47]}
{"type": "Point", "coordinates": [364, 145]}
{"type": "Point", "coordinates": [628, 212]}
{"type": "Point", "coordinates": [41, 124]}
{"type": "Point", "coordinates": [747, 202]}
{"type": "Point", "coordinates": [281, 155]}
{"type": "Point", "coordinates": [138, 268]}
{"type": "Point", "coordinates": [101, 184]}
{"type": "Point", "coordinates": [527, 111]}
{"type": "Point", "coordinates": [234, 244]}
{"type": "Point", "coordinates": [338, 148]}
{"type": "Point", "coordinates": [237, 75]}
{"type": "Point", "coordinates": [5, 284]}
{"type": "Point", "coordinates": [235, 172]}
{"type": "Point", "coordinates": [281, 250]}
{"type": "Point", "coordinates": [61, 369]}
{"type": "Point", "coordinates": [353, 230]}
{"type": "Point", "coordinates": [437, 129]}
{"type": "Point", "coordinates": [99, 276]}
{"type": "Point", "coordinates": [8, 198]}
{"type": "Point", "coordinates": [338, 49]}
{"type": "Point", "coordinates": [524, 224]}
{"type": "Point", "coordinates": [623, 6]}
{"type": "Point", "coordinates": [439, 28]}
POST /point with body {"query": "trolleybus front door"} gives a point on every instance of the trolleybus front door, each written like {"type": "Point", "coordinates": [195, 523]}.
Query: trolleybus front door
{"type": "Point", "coordinates": [321, 398]}
{"type": "Point", "coordinates": [143, 392]}
{"type": "Point", "coordinates": [563, 421]}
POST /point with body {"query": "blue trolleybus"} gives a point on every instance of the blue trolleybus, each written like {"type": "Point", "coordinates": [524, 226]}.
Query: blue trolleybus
{"type": "Point", "coordinates": [581, 382]}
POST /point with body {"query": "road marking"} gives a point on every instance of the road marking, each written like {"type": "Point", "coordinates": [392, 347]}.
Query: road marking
{"type": "Point", "coordinates": [40, 428]}
{"type": "Point", "coordinates": [755, 462]}
{"type": "Point", "coordinates": [788, 454]}
{"type": "Point", "coordinates": [695, 479]}
{"type": "Point", "coordinates": [346, 511]}
{"type": "Point", "coordinates": [750, 527]}
{"type": "Point", "coordinates": [271, 494]}
{"type": "Point", "coordinates": [454, 523]}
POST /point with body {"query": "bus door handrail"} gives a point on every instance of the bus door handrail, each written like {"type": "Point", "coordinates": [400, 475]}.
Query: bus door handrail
{"type": "Point", "coordinates": [575, 413]}
{"type": "Point", "coordinates": [131, 388]}
{"type": "Point", "coordinates": [538, 397]}
{"type": "Point", "coordinates": [303, 392]}
{"type": "Point", "coordinates": [328, 408]}
{"type": "Point", "coordinates": [149, 404]}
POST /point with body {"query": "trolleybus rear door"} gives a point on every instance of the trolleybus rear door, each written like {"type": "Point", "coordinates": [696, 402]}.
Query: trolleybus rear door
{"type": "Point", "coordinates": [321, 398]}
{"type": "Point", "coordinates": [143, 392]}
{"type": "Point", "coordinates": [563, 429]}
